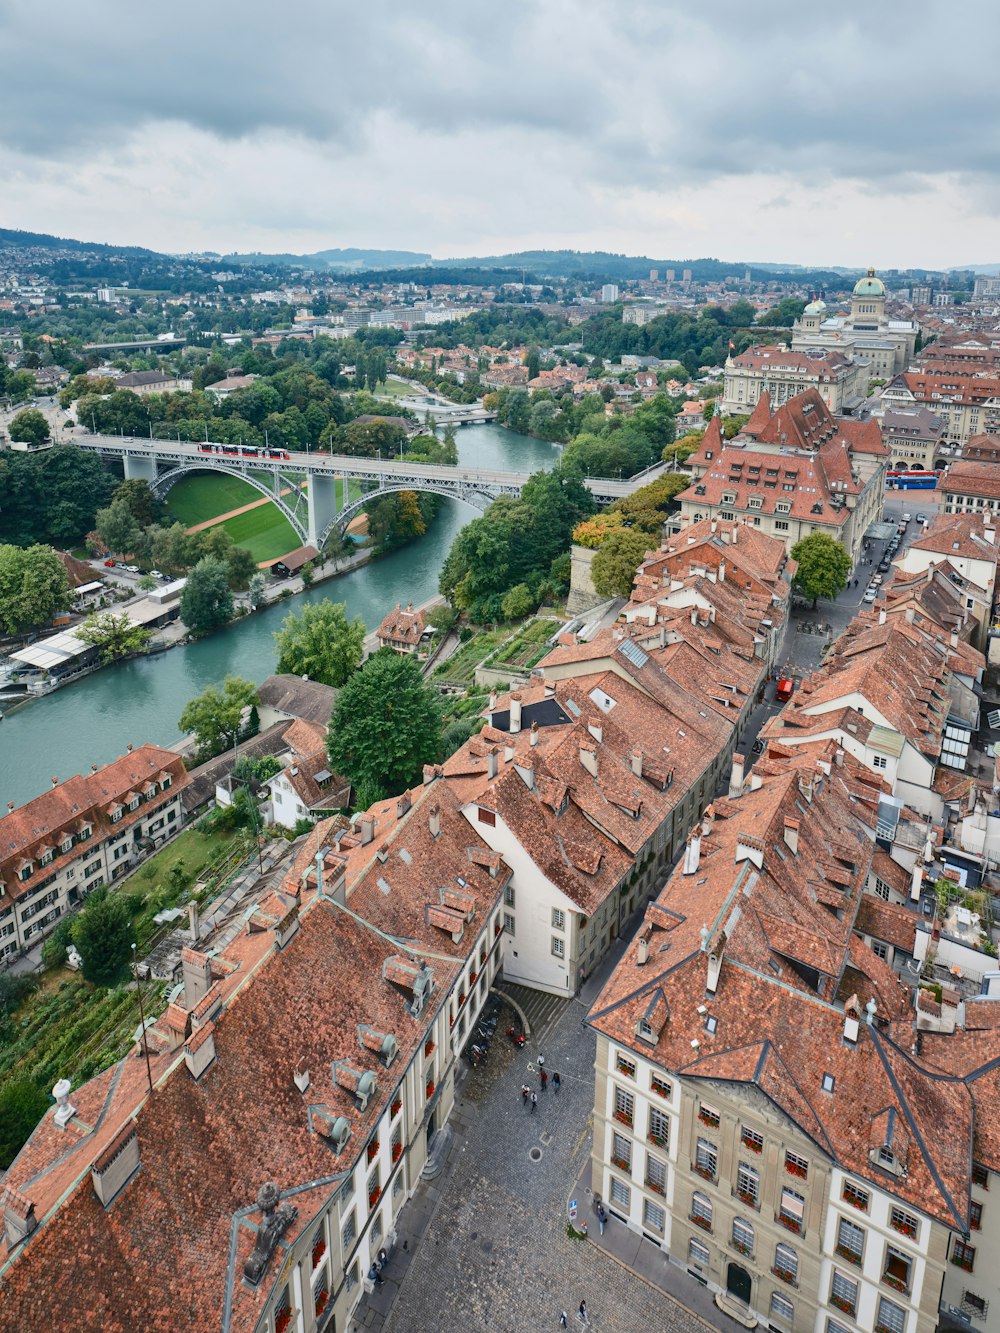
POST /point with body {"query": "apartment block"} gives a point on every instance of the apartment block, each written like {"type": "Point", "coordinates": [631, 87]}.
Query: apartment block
{"type": "Point", "coordinates": [841, 381]}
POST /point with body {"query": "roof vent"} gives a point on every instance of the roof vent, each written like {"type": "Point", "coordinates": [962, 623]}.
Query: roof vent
{"type": "Point", "coordinates": [367, 1086]}
{"type": "Point", "coordinates": [302, 1079]}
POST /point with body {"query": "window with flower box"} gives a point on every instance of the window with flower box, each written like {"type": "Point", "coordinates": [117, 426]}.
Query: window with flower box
{"type": "Point", "coordinates": [698, 1253]}
{"type": "Point", "coordinates": [621, 1152]}
{"type": "Point", "coordinates": [850, 1241]}
{"type": "Point", "coordinates": [855, 1196]}
{"type": "Point", "coordinates": [374, 1188]}
{"type": "Point", "coordinates": [891, 1318]}
{"type": "Point", "coordinates": [283, 1312]}
{"type": "Point", "coordinates": [321, 1298]}
{"type": "Point", "coordinates": [844, 1294]}
{"type": "Point", "coordinates": [897, 1269]}
{"type": "Point", "coordinates": [660, 1086]}
{"type": "Point", "coordinates": [429, 1046]}
{"type": "Point", "coordinates": [796, 1165]}
{"type": "Point", "coordinates": [318, 1247]}
{"type": "Point", "coordinates": [624, 1066]}
{"type": "Point", "coordinates": [975, 1216]}
{"type": "Point", "coordinates": [624, 1107]}
{"type": "Point", "coordinates": [656, 1175]}
{"type": "Point", "coordinates": [742, 1237]}
{"type": "Point", "coordinates": [786, 1264]}
{"type": "Point", "coordinates": [752, 1140]}
{"type": "Point", "coordinates": [791, 1210]}
{"type": "Point", "coordinates": [708, 1116]}
{"type": "Point", "coordinates": [429, 1088]}
{"type": "Point", "coordinates": [905, 1223]}
{"type": "Point", "coordinates": [348, 1232]}
{"type": "Point", "coordinates": [620, 1194]}
{"type": "Point", "coordinates": [962, 1255]}
{"type": "Point", "coordinates": [748, 1184]}
{"type": "Point", "coordinates": [372, 1149]}
{"type": "Point", "coordinates": [397, 1146]}
{"type": "Point", "coordinates": [706, 1158]}
{"type": "Point", "coordinates": [782, 1308]}
{"type": "Point", "coordinates": [701, 1211]}
{"type": "Point", "coordinates": [397, 1191]}
{"type": "Point", "coordinates": [653, 1216]}
{"type": "Point", "coordinates": [980, 1176]}
{"type": "Point", "coordinates": [397, 1105]}
{"type": "Point", "coordinates": [659, 1128]}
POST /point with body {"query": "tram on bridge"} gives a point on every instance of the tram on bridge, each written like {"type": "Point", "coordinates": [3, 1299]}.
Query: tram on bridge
{"type": "Point", "coordinates": [244, 451]}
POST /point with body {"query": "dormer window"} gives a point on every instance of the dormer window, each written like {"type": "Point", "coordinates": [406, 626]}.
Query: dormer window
{"type": "Point", "coordinates": [85, 832]}
{"type": "Point", "coordinates": [134, 803]}
{"type": "Point", "coordinates": [116, 816]}
{"type": "Point", "coordinates": [166, 782]}
{"type": "Point", "coordinates": [25, 871]}
{"type": "Point", "coordinates": [150, 791]}
{"type": "Point", "coordinates": [66, 845]}
{"type": "Point", "coordinates": [46, 858]}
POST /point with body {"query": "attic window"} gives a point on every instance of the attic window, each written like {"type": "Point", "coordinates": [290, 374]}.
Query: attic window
{"type": "Point", "coordinates": [829, 1082]}
{"type": "Point", "coordinates": [711, 1023]}
{"type": "Point", "coordinates": [486, 817]}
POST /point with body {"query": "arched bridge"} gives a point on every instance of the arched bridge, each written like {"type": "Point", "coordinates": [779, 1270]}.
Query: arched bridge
{"type": "Point", "coordinates": [304, 485]}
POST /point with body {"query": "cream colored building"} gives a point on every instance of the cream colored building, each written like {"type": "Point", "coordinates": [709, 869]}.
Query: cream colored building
{"type": "Point", "coordinates": [867, 333]}
{"type": "Point", "coordinates": [840, 380]}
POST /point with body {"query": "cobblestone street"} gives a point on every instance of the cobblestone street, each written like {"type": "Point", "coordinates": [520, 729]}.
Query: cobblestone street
{"type": "Point", "coordinates": [496, 1254]}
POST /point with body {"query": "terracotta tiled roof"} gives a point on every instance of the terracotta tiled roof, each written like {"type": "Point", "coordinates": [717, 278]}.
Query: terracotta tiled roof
{"type": "Point", "coordinates": [887, 921]}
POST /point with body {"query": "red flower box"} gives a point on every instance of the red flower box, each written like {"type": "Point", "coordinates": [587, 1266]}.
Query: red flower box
{"type": "Point", "coordinates": [496, 928]}
{"type": "Point", "coordinates": [482, 956]}
{"type": "Point", "coordinates": [322, 1298]}
{"type": "Point", "coordinates": [623, 1118]}
{"type": "Point", "coordinates": [794, 1169]}
{"type": "Point", "coordinates": [373, 1150]}
{"type": "Point", "coordinates": [851, 1256]}
{"type": "Point", "coordinates": [896, 1283]}
{"type": "Point", "coordinates": [281, 1320]}
{"type": "Point", "coordinates": [705, 1172]}
{"type": "Point", "coordinates": [397, 1150]}
{"type": "Point", "coordinates": [461, 998]}
{"type": "Point", "coordinates": [962, 1263]}
{"type": "Point", "coordinates": [747, 1197]}
{"type": "Point", "coordinates": [659, 1087]}
{"type": "Point", "coordinates": [657, 1189]}
{"type": "Point", "coordinates": [741, 1247]}
{"type": "Point", "coordinates": [753, 1145]}
{"type": "Point", "coordinates": [842, 1303]}
{"type": "Point", "coordinates": [374, 1196]}
{"type": "Point", "coordinates": [907, 1229]}
{"type": "Point", "coordinates": [429, 1046]}
{"type": "Point", "coordinates": [702, 1222]}
{"type": "Point", "coordinates": [784, 1274]}
{"type": "Point", "coordinates": [620, 1163]}
{"type": "Point", "coordinates": [658, 1139]}
{"type": "Point", "coordinates": [430, 1089]}
{"type": "Point", "coordinates": [711, 1120]}
{"type": "Point", "coordinates": [319, 1249]}
{"type": "Point", "coordinates": [473, 976]}
{"type": "Point", "coordinates": [792, 1223]}
{"type": "Point", "coordinates": [397, 1106]}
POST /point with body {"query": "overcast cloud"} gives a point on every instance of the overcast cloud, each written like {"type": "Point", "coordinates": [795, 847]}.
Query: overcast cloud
{"type": "Point", "coordinates": [772, 130]}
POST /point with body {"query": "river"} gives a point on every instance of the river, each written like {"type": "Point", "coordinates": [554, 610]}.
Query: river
{"type": "Point", "coordinates": [91, 721]}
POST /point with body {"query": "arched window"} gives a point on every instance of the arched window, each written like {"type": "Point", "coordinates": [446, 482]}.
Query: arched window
{"type": "Point", "coordinates": [742, 1236]}
{"type": "Point", "coordinates": [786, 1262]}
{"type": "Point", "coordinates": [701, 1211]}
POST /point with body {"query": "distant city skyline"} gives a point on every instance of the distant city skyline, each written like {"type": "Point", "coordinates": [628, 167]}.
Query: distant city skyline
{"type": "Point", "coordinates": [751, 132]}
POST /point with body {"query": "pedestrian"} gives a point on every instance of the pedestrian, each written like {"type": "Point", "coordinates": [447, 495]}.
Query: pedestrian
{"type": "Point", "coordinates": [602, 1216]}
{"type": "Point", "coordinates": [383, 1258]}
{"type": "Point", "coordinates": [541, 1062]}
{"type": "Point", "coordinates": [556, 1081]}
{"type": "Point", "coordinates": [583, 1313]}
{"type": "Point", "coordinates": [562, 1319]}
{"type": "Point", "coordinates": [524, 1093]}
{"type": "Point", "coordinates": [545, 1079]}
{"type": "Point", "coordinates": [534, 1101]}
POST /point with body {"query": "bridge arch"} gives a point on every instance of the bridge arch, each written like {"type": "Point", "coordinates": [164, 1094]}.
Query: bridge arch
{"type": "Point", "coordinates": [165, 481]}
{"type": "Point", "coordinates": [477, 499]}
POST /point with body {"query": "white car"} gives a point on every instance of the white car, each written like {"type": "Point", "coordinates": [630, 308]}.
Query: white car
{"type": "Point", "coordinates": [907, 517]}
{"type": "Point", "coordinates": [870, 594]}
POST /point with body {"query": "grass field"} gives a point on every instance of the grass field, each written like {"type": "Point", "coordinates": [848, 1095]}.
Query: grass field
{"type": "Point", "coordinates": [394, 388]}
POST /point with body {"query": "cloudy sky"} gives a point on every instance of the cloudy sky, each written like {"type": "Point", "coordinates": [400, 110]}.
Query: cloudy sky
{"type": "Point", "coordinates": [773, 130]}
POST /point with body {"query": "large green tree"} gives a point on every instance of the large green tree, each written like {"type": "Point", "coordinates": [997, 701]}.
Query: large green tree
{"type": "Point", "coordinates": [617, 559]}
{"type": "Point", "coordinates": [113, 635]}
{"type": "Point", "coordinates": [137, 494]}
{"type": "Point", "coordinates": [206, 601]}
{"type": "Point", "coordinates": [30, 427]}
{"type": "Point", "coordinates": [216, 716]}
{"type": "Point", "coordinates": [117, 528]}
{"type": "Point", "coordinates": [33, 587]}
{"type": "Point", "coordinates": [823, 566]}
{"type": "Point", "coordinates": [386, 725]}
{"type": "Point", "coordinates": [22, 1105]}
{"type": "Point", "coordinates": [321, 643]}
{"type": "Point", "coordinates": [51, 496]}
{"type": "Point", "coordinates": [103, 935]}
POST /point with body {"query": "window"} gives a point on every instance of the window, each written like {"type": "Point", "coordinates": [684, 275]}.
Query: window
{"type": "Point", "coordinates": [701, 1211]}
{"type": "Point", "coordinates": [897, 1269]}
{"type": "Point", "coordinates": [907, 1224]}
{"type": "Point", "coordinates": [508, 923]}
{"type": "Point", "coordinates": [624, 1107]}
{"type": "Point", "coordinates": [829, 1083]}
{"type": "Point", "coordinates": [85, 833]}
{"type": "Point", "coordinates": [972, 1304]}
{"type": "Point", "coordinates": [508, 895]}
{"type": "Point", "coordinates": [791, 1210]}
{"type": "Point", "coordinates": [374, 1187]}
{"type": "Point", "coordinates": [653, 1215]}
{"type": "Point", "coordinates": [850, 1241]}
{"type": "Point", "coordinates": [656, 1175]}
{"type": "Point", "coordinates": [348, 1233]}
{"type": "Point", "coordinates": [879, 761]}
{"type": "Point", "coordinates": [786, 1263]}
{"type": "Point", "coordinates": [980, 1176]}
{"type": "Point", "coordinates": [796, 1165]}
{"type": "Point", "coordinates": [621, 1152]}
{"type": "Point", "coordinates": [352, 1278]}
{"type": "Point", "coordinates": [975, 1216]}
{"type": "Point", "coordinates": [881, 950]}
{"type": "Point", "coordinates": [855, 1196]}
{"type": "Point", "coordinates": [781, 1307]}
{"type": "Point", "coordinates": [962, 1255]}
{"type": "Point", "coordinates": [708, 1115]}
{"type": "Point", "coordinates": [780, 525]}
{"type": "Point", "coordinates": [624, 1066]}
{"type": "Point", "coordinates": [752, 1140]}
{"type": "Point", "coordinates": [833, 1327]}
{"type": "Point", "coordinates": [558, 919]}
{"type": "Point", "coordinates": [620, 1193]}
{"type": "Point", "coordinates": [25, 872]}
{"type": "Point", "coordinates": [891, 1317]}
{"type": "Point", "coordinates": [748, 1184]}
{"type": "Point", "coordinates": [697, 1253]}
{"type": "Point", "coordinates": [558, 947]}
{"type": "Point", "coordinates": [742, 1236]}
{"type": "Point", "coordinates": [660, 1086]}
{"type": "Point", "coordinates": [486, 817]}
{"type": "Point", "coordinates": [706, 1159]}
{"type": "Point", "coordinates": [659, 1128]}
{"type": "Point", "coordinates": [844, 1293]}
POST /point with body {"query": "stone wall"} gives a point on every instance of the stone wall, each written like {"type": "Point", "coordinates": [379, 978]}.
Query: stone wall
{"type": "Point", "coordinates": [582, 593]}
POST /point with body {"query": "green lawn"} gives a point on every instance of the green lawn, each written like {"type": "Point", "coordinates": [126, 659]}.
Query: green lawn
{"type": "Point", "coordinates": [394, 388]}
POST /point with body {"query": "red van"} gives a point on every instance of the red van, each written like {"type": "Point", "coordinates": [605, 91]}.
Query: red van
{"type": "Point", "coordinates": [784, 691]}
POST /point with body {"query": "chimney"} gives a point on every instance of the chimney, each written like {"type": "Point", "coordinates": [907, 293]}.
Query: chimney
{"type": "Point", "coordinates": [525, 769]}
{"type": "Point", "coordinates": [722, 571]}
{"type": "Point", "coordinates": [694, 615]}
{"type": "Point", "coordinates": [93, 768]}
{"type": "Point", "coordinates": [714, 526]}
{"type": "Point", "coordinates": [550, 690]}
{"type": "Point", "coordinates": [430, 773]}
{"type": "Point", "coordinates": [991, 535]}
{"type": "Point", "coordinates": [637, 763]}
{"type": "Point", "coordinates": [302, 1078]}
{"type": "Point", "coordinates": [792, 835]}
{"type": "Point", "coordinates": [724, 534]}
{"type": "Point", "coordinates": [508, 753]}
{"type": "Point", "coordinates": [916, 881]}
{"type": "Point", "coordinates": [382, 855]}
{"type": "Point", "coordinates": [711, 614]}
{"type": "Point", "coordinates": [838, 758]}
{"type": "Point", "coordinates": [435, 820]}
{"type": "Point", "coordinates": [642, 951]}
{"type": "Point", "coordinates": [715, 955]}
{"type": "Point", "coordinates": [128, 748]}
{"type": "Point", "coordinates": [10, 805]}
{"type": "Point", "coordinates": [588, 756]}
{"type": "Point", "coordinates": [954, 638]}
{"type": "Point", "coordinates": [197, 973]}
{"type": "Point", "coordinates": [852, 1020]}
{"type": "Point", "coordinates": [534, 733]}
{"type": "Point", "coordinates": [736, 778]}
{"type": "Point", "coordinates": [692, 851]}
{"type": "Point", "coordinates": [493, 762]}
{"type": "Point", "coordinates": [54, 781]}
{"type": "Point", "coordinates": [597, 731]}
{"type": "Point", "coordinates": [881, 615]}
{"type": "Point", "coordinates": [367, 827]}
{"type": "Point", "coordinates": [515, 714]}
{"type": "Point", "coordinates": [736, 531]}
{"type": "Point", "coordinates": [64, 1111]}
{"type": "Point", "coordinates": [194, 924]}
{"type": "Point", "coordinates": [403, 805]}
{"type": "Point", "coordinates": [19, 1219]}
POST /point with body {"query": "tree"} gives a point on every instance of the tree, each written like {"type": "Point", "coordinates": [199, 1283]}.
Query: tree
{"type": "Point", "coordinates": [33, 587]}
{"type": "Point", "coordinates": [321, 643]}
{"type": "Point", "coordinates": [117, 528]}
{"type": "Point", "coordinates": [255, 589]}
{"type": "Point", "coordinates": [784, 314]}
{"type": "Point", "coordinates": [533, 363]}
{"type": "Point", "coordinates": [823, 566]}
{"type": "Point", "coordinates": [113, 635]}
{"type": "Point", "coordinates": [617, 559]}
{"type": "Point", "coordinates": [103, 935]}
{"type": "Point", "coordinates": [307, 574]}
{"type": "Point", "coordinates": [30, 427]}
{"type": "Point", "coordinates": [216, 716]}
{"type": "Point", "coordinates": [147, 583]}
{"type": "Point", "coordinates": [519, 602]}
{"type": "Point", "coordinates": [386, 724]}
{"type": "Point", "coordinates": [170, 548]}
{"type": "Point", "coordinates": [22, 1105]}
{"type": "Point", "coordinates": [241, 566]}
{"type": "Point", "coordinates": [137, 495]}
{"type": "Point", "coordinates": [206, 601]}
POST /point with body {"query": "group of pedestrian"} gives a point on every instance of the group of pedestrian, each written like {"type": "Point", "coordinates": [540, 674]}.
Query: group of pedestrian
{"type": "Point", "coordinates": [378, 1264]}
{"type": "Point", "coordinates": [528, 1096]}
{"type": "Point", "coordinates": [582, 1315]}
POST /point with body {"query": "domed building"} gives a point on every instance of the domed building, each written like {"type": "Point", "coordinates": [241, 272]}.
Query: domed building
{"type": "Point", "coordinates": [867, 334]}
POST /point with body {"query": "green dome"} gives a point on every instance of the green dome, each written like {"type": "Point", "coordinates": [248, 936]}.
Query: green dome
{"type": "Point", "coordinates": [870, 286]}
{"type": "Point", "coordinates": [815, 308]}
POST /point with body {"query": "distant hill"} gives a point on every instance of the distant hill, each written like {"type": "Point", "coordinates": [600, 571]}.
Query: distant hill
{"type": "Point", "coordinates": [39, 240]}
{"type": "Point", "coordinates": [987, 270]}
{"type": "Point", "coordinates": [338, 259]}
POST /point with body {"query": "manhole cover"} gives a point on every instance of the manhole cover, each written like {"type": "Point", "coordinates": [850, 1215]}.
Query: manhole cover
{"type": "Point", "coordinates": [535, 1154]}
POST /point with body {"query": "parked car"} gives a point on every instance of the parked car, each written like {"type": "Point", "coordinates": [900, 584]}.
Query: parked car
{"type": "Point", "coordinates": [110, 564]}
{"type": "Point", "coordinates": [132, 569]}
{"type": "Point", "coordinates": [870, 594]}
{"type": "Point", "coordinates": [907, 517]}
{"type": "Point", "coordinates": [876, 581]}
